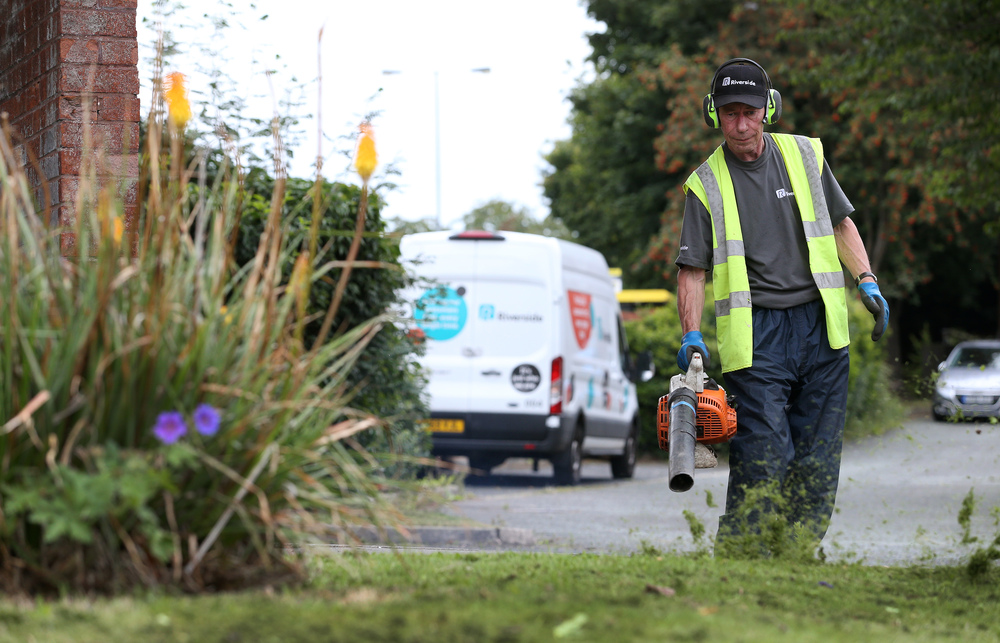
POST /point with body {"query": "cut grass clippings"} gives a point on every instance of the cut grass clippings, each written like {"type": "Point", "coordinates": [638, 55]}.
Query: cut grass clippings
{"type": "Point", "coordinates": [483, 597]}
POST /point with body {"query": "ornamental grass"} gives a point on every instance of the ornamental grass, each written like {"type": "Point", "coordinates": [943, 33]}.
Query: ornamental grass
{"type": "Point", "coordinates": [162, 422]}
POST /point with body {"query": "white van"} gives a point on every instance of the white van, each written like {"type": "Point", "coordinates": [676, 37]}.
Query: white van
{"type": "Point", "coordinates": [526, 352]}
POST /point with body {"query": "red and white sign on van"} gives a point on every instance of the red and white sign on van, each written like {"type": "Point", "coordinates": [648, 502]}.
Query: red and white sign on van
{"type": "Point", "coordinates": [579, 313]}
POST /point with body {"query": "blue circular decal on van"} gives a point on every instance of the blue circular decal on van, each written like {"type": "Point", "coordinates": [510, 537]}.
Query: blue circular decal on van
{"type": "Point", "coordinates": [440, 313]}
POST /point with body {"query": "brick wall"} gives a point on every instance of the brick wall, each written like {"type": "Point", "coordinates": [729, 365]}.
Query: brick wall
{"type": "Point", "coordinates": [54, 55]}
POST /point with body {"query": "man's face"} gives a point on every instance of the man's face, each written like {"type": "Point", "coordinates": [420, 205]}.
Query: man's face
{"type": "Point", "coordinates": [743, 128]}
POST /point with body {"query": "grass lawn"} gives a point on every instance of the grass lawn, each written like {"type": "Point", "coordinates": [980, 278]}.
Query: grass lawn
{"type": "Point", "coordinates": [544, 597]}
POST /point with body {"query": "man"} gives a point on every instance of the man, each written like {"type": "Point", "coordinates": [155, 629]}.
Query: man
{"type": "Point", "coordinates": [767, 216]}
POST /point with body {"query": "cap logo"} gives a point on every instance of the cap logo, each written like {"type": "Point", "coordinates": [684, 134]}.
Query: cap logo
{"type": "Point", "coordinates": [729, 81]}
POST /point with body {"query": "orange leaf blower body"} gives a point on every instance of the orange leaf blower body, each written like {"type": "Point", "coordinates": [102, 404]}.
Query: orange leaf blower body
{"type": "Point", "coordinates": [716, 419]}
{"type": "Point", "coordinates": [696, 410]}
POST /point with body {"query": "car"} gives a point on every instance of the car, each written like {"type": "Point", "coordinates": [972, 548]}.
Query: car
{"type": "Point", "coordinates": [968, 383]}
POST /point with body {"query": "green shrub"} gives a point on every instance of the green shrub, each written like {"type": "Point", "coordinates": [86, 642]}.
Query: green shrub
{"type": "Point", "coordinates": [386, 380]}
{"type": "Point", "coordinates": [872, 407]}
{"type": "Point", "coordinates": [164, 422]}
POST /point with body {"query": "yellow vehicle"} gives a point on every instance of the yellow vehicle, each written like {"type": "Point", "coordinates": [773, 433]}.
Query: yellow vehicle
{"type": "Point", "coordinates": [633, 300]}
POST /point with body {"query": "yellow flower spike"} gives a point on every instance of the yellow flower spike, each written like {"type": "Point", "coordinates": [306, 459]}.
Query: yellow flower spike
{"type": "Point", "coordinates": [299, 282]}
{"type": "Point", "coordinates": [365, 158]}
{"type": "Point", "coordinates": [177, 99]}
{"type": "Point", "coordinates": [111, 224]}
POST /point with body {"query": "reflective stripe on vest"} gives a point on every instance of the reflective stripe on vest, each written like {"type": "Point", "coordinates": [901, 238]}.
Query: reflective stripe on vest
{"type": "Point", "coordinates": [713, 186]}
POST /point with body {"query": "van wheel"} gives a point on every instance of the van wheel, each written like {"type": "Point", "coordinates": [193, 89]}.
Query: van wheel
{"type": "Point", "coordinates": [566, 465]}
{"type": "Point", "coordinates": [623, 466]}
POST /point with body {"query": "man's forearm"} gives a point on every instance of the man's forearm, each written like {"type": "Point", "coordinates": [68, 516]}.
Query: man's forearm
{"type": "Point", "coordinates": [690, 297]}
{"type": "Point", "coordinates": [851, 248]}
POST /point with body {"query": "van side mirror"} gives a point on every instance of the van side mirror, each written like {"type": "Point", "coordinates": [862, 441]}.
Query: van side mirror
{"type": "Point", "coordinates": [644, 367]}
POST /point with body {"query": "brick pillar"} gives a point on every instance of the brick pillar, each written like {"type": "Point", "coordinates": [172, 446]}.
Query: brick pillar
{"type": "Point", "coordinates": [54, 55]}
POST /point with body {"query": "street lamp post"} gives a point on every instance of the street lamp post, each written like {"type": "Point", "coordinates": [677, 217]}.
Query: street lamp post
{"type": "Point", "coordinates": [437, 137]}
{"type": "Point", "coordinates": [437, 153]}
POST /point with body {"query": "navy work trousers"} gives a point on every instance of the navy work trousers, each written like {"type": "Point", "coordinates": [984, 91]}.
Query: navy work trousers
{"type": "Point", "coordinates": [791, 407]}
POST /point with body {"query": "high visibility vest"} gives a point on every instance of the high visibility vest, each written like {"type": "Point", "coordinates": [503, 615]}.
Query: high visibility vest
{"type": "Point", "coordinates": [713, 186]}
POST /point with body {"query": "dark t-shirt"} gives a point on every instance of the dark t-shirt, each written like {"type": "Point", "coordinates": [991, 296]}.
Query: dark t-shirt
{"type": "Point", "coordinates": [776, 252]}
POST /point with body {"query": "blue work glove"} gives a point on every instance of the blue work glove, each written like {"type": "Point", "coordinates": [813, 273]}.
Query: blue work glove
{"type": "Point", "coordinates": [875, 303]}
{"type": "Point", "coordinates": [692, 342]}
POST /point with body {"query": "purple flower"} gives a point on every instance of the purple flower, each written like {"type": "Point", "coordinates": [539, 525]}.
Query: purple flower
{"type": "Point", "coordinates": [206, 419]}
{"type": "Point", "coordinates": [169, 427]}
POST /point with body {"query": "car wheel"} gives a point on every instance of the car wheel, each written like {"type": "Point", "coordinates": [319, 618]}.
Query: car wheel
{"type": "Point", "coordinates": [566, 465]}
{"type": "Point", "coordinates": [623, 466]}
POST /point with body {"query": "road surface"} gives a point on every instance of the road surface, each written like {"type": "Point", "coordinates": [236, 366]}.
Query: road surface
{"type": "Point", "coordinates": [898, 501]}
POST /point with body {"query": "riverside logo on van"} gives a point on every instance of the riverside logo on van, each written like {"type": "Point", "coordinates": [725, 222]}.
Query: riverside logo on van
{"type": "Point", "coordinates": [488, 312]}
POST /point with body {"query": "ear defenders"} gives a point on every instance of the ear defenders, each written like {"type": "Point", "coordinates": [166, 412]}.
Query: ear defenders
{"type": "Point", "coordinates": [772, 108]}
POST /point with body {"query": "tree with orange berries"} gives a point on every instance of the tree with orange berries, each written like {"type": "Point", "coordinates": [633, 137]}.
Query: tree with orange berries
{"type": "Point", "coordinates": [924, 204]}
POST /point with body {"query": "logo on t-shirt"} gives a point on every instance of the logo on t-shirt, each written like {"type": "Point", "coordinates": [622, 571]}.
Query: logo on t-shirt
{"type": "Point", "coordinates": [782, 193]}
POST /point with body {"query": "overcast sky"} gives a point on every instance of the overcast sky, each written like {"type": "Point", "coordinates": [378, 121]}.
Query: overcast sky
{"type": "Point", "coordinates": [494, 127]}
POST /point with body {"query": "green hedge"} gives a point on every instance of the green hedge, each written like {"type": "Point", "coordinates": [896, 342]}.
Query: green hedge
{"type": "Point", "coordinates": [872, 407]}
{"type": "Point", "coordinates": [386, 379]}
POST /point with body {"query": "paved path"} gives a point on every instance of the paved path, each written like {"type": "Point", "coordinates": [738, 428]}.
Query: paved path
{"type": "Point", "coordinates": [898, 502]}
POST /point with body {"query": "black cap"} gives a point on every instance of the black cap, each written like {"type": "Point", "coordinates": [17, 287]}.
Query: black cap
{"type": "Point", "coordinates": [740, 83]}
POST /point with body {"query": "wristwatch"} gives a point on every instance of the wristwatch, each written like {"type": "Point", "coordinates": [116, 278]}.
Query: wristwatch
{"type": "Point", "coordinates": [857, 280]}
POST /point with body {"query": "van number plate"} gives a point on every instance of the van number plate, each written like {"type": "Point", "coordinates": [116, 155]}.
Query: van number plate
{"type": "Point", "coordinates": [439, 425]}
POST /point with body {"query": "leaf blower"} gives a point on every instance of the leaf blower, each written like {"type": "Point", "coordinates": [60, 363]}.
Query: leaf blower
{"type": "Point", "coordinates": [696, 413]}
